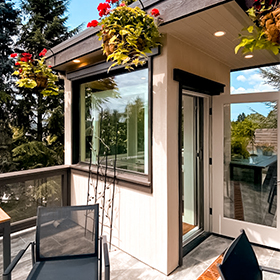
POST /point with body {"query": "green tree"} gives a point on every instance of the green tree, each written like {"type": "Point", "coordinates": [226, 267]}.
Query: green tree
{"type": "Point", "coordinates": [272, 76]}
{"type": "Point", "coordinates": [40, 118]}
{"type": "Point", "coordinates": [243, 134]}
{"type": "Point", "coordinates": [45, 26]}
{"type": "Point", "coordinates": [8, 28]}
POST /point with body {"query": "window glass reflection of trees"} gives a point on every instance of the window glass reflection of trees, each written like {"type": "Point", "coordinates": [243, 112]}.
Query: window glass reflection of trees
{"type": "Point", "coordinates": [251, 163]}
{"type": "Point", "coordinates": [116, 115]}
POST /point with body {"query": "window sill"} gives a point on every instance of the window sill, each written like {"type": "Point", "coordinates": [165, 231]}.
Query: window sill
{"type": "Point", "coordinates": [139, 182]}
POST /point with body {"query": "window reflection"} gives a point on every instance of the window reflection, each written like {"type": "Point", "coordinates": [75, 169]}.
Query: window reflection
{"type": "Point", "coordinates": [250, 162]}
{"type": "Point", "coordinates": [115, 120]}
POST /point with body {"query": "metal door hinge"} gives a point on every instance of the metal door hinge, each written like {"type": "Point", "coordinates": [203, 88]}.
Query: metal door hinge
{"type": "Point", "coordinates": [210, 211]}
{"type": "Point", "coordinates": [210, 161]}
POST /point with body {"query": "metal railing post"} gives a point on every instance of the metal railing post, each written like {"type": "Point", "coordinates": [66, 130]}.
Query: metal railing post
{"type": "Point", "coordinates": [5, 225]}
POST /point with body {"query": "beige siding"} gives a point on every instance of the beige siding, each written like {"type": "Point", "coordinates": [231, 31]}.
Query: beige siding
{"type": "Point", "coordinates": [147, 225]}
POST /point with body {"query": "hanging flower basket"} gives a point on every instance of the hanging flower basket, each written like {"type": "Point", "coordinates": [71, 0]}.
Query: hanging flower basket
{"type": "Point", "coordinates": [271, 25]}
{"type": "Point", "coordinates": [265, 31]}
{"type": "Point", "coordinates": [42, 81]}
{"type": "Point", "coordinates": [128, 34]}
{"type": "Point", "coordinates": [35, 74]}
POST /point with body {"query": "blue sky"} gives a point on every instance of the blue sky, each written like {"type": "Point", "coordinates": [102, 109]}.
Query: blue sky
{"type": "Point", "coordinates": [79, 11]}
{"type": "Point", "coordinates": [248, 81]}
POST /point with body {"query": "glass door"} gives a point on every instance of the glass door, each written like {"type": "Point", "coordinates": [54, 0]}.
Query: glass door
{"type": "Point", "coordinates": [192, 166]}
{"type": "Point", "coordinates": [245, 169]}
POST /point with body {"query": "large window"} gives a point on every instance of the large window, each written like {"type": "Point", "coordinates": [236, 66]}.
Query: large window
{"type": "Point", "coordinates": [114, 121]}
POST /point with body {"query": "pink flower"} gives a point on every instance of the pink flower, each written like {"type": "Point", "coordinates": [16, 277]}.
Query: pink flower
{"type": "Point", "coordinates": [93, 23]}
{"type": "Point", "coordinates": [155, 12]}
{"type": "Point", "coordinates": [13, 55]}
{"type": "Point", "coordinates": [43, 52]}
{"type": "Point", "coordinates": [122, 4]}
{"type": "Point", "coordinates": [103, 9]}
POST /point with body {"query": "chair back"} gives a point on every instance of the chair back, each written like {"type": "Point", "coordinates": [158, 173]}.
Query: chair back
{"type": "Point", "coordinates": [239, 261]}
{"type": "Point", "coordinates": [67, 232]}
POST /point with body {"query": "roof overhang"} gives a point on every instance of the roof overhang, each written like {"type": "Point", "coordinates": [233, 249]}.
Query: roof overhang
{"type": "Point", "coordinates": [192, 22]}
{"type": "Point", "coordinates": [198, 31]}
{"type": "Point", "coordinates": [87, 48]}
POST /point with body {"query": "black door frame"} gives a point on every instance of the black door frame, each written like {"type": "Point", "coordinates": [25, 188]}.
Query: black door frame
{"type": "Point", "coordinates": [191, 82]}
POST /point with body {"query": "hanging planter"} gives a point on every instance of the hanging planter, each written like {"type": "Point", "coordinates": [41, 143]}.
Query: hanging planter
{"type": "Point", "coordinates": [35, 74]}
{"type": "Point", "coordinates": [265, 31]}
{"type": "Point", "coordinates": [128, 34]}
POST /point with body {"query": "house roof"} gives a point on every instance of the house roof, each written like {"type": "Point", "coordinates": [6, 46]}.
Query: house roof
{"type": "Point", "coordinates": [193, 22]}
{"type": "Point", "coordinates": [87, 47]}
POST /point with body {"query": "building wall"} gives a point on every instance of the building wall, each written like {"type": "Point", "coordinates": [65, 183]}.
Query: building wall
{"type": "Point", "coordinates": [147, 225]}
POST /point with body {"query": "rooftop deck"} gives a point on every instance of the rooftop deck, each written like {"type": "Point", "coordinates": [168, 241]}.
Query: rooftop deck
{"type": "Point", "coordinates": [123, 266]}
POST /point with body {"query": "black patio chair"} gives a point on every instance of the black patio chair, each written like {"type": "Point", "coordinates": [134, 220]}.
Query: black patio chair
{"type": "Point", "coordinates": [66, 245]}
{"type": "Point", "coordinates": [240, 262]}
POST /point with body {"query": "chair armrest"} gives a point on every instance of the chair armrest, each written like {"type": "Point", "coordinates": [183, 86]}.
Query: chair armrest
{"type": "Point", "coordinates": [9, 269]}
{"type": "Point", "coordinates": [106, 258]}
{"type": "Point", "coordinates": [270, 269]}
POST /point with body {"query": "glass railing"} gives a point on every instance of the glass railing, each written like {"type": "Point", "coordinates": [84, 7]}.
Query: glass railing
{"type": "Point", "coordinates": [22, 192]}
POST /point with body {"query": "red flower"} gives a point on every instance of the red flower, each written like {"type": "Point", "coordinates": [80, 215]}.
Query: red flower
{"type": "Point", "coordinates": [257, 4]}
{"type": "Point", "coordinates": [93, 23]}
{"type": "Point", "coordinates": [26, 57]}
{"type": "Point", "coordinates": [112, 1]}
{"type": "Point", "coordinates": [17, 63]}
{"type": "Point", "coordinates": [50, 66]}
{"type": "Point", "coordinates": [20, 70]}
{"type": "Point", "coordinates": [13, 55]}
{"type": "Point", "coordinates": [155, 12]}
{"type": "Point", "coordinates": [103, 9]}
{"type": "Point", "coordinates": [43, 52]}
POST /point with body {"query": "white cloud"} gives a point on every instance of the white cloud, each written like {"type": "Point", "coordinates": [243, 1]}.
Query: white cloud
{"type": "Point", "coordinates": [254, 89]}
{"type": "Point", "coordinates": [241, 78]}
{"type": "Point", "coordinates": [238, 90]}
{"type": "Point", "coordinates": [255, 78]}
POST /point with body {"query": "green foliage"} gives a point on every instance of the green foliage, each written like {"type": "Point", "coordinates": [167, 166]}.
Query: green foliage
{"type": "Point", "coordinates": [243, 130]}
{"type": "Point", "coordinates": [8, 28]}
{"type": "Point", "coordinates": [243, 134]}
{"type": "Point", "coordinates": [255, 39]}
{"type": "Point", "coordinates": [38, 118]}
{"type": "Point", "coordinates": [32, 72]}
{"type": "Point", "coordinates": [257, 36]}
{"type": "Point", "coordinates": [272, 76]}
{"type": "Point", "coordinates": [128, 34]}
{"type": "Point", "coordinates": [45, 25]}
{"type": "Point", "coordinates": [33, 155]}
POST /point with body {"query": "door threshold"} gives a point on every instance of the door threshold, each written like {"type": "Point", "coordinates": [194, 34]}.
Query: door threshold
{"type": "Point", "coordinates": [194, 241]}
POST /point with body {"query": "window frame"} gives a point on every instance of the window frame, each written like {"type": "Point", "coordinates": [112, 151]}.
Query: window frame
{"type": "Point", "coordinates": [126, 178]}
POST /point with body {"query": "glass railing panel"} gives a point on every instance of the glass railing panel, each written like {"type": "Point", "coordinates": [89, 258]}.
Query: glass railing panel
{"type": "Point", "coordinates": [21, 199]}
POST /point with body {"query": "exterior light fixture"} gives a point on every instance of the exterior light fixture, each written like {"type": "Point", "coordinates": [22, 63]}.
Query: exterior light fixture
{"type": "Point", "coordinates": [248, 56]}
{"type": "Point", "coordinates": [219, 33]}
{"type": "Point", "coordinates": [76, 61]}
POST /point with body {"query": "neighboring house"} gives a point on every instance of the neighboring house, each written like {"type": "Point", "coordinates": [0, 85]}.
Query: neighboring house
{"type": "Point", "coordinates": [174, 119]}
